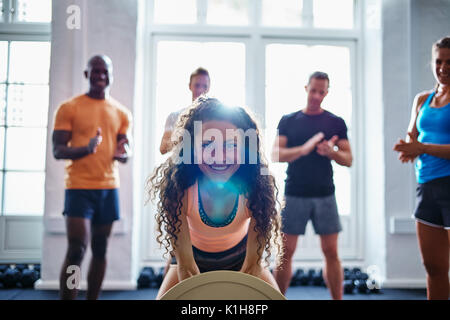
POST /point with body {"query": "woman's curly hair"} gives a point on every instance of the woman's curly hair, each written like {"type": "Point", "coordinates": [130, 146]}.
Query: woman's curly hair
{"type": "Point", "coordinates": [171, 179]}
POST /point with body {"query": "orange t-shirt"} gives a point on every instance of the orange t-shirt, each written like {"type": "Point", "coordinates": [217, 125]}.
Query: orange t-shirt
{"type": "Point", "coordinates": [82, 116]}
{"type": "Point", "coordinates": [210, 239]}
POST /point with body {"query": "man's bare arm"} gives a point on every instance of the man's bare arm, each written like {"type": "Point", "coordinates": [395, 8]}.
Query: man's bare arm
{"type": "Point", "coordinates": [281, 153]}
{"type": "Point", "coordinates": [122, 151]}
{"type": "Point", "coordinates": [166, 142]}
{"type": "Point", "coordinates": [61, 150]}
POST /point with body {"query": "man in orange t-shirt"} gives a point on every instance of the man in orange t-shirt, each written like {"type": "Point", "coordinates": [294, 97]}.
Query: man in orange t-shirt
{"type": "Point", "coordinates": [90, 132]}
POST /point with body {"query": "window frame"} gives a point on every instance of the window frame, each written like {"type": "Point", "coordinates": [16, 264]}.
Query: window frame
{"type": "Point", "coordinates": [9, 25]}
{"type": "Point", "coordinates": [12, 31]}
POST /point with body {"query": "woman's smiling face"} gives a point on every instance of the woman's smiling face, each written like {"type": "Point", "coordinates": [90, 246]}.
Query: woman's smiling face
{"type": "Point", "coordinates": [441, 65]}
{"type": "Point", "coordinates": [220, 155]}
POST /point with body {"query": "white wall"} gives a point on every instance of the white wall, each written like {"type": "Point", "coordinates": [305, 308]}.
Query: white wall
{"type": "Point", "coordinates": [430, 22]}
{"type": "Point", "coordinates": [396, 56]}
{"type": "Point", "coordinates": [409, 29]}
{"type": "Point", "coordinates": [373, 152]}
{"type": "Point", "coordinates": [107, 27]}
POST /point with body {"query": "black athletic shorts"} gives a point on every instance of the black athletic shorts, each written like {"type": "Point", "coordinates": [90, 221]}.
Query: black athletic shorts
{"type": "Point", "coordinates": [433, 203]}
{"type": "Point", "coordinates": [100, 206]}
{"type": "Point", "coordinates": [231, 259]}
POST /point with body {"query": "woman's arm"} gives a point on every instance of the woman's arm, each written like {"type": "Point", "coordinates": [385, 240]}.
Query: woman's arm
{"type": "Point", "coordinates": [183, 247]}
{"type": "Point", "coordinates": [252, 262]}
{"type": "Point", "coordinates": [412, 133]}
{"type": "Point", "coordinates": [410, 148]}
{"type": "Point", "coordinates": [417, 104]}
{"type": "Point", "coordinates": [414, 148]}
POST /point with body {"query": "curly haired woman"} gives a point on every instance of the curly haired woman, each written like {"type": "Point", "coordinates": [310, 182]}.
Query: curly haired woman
{"type": "Point", "coordinates": [216, 205]}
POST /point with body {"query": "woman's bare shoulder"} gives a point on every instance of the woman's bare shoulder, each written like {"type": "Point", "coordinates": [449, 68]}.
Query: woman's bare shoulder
{"type": "Point", "coordinates": [420, 99]}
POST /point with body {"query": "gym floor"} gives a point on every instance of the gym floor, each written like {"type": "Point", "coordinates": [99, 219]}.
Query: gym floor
{"type": "Point", "coordinates": [293, 293]}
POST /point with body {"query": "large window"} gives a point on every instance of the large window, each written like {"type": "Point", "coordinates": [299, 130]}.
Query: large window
{"type": "Point", "coordinates": [214, 12]}
{"type": "Point", "coordinates": [227, 79]}
{"type": "Point", "coordinates": [334, 14]}
{"type": "Point", "coordinates": [26, 11]}
{"type": "Point", "coordinates": [34, 11]}
{"type": "Point", "coordinates": [260, 53]}
{"type": "Point", "coordinates": [24, 99]}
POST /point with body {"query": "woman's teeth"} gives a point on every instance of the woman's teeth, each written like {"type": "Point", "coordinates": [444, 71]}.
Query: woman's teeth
{"type": "Point", "coordinates": [219, 168]}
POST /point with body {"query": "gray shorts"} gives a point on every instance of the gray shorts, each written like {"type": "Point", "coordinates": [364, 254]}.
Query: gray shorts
{"type": "Point", "coordinates": [322, 211]}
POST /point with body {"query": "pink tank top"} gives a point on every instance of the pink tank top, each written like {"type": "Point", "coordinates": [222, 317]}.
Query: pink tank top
{"type": "Point", "coordinates": [210, 239]}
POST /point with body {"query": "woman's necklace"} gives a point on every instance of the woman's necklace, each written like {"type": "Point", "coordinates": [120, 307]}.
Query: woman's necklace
{"type": "Point", "coordinates": [206, 220]}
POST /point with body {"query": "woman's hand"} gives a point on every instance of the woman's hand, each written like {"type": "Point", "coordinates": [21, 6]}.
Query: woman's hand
{"type": "Point", "coordinates": [409, 150]}
{"type": "Point", "coordinates": [187, 270]}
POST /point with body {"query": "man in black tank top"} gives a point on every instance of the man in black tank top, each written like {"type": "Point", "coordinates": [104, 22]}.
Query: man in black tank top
{"type": "Point", "coordinates": [309, 140]}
